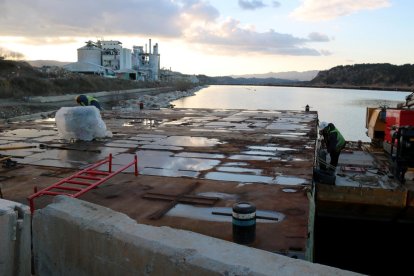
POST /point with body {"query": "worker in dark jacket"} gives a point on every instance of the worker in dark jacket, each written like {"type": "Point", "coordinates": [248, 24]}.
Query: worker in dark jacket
{"type": "Point", "coordinates": [87, 101]}
{"type": "Point", "coordinates": [334, 141]}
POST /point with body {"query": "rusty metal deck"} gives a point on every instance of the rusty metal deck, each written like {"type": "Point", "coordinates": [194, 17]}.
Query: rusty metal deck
{"type": "Point", "coordinates": [212, 158]}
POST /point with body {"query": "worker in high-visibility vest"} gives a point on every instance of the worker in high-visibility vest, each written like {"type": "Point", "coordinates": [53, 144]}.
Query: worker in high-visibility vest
{"type": "Point", "coordinates": [87, 101]}
{"type": "Point", "coordinates": [333, 140]}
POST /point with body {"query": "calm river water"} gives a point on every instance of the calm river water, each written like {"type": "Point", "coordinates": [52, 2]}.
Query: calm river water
{"type": "Point", "coordinates": [345, 108]}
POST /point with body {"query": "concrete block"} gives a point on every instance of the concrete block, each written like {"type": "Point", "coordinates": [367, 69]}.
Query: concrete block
{"type": "Point", "coordinates": [73, 237]}
{"type": "Point", "coordinates": [15, 244]}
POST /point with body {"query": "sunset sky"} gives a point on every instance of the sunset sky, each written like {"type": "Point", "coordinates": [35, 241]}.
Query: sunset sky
{"type": "Point", "coordinates": [217, 37]}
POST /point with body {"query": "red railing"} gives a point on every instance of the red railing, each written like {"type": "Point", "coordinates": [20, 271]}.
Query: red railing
{"type": "Point", "coordinates": [89, 174]}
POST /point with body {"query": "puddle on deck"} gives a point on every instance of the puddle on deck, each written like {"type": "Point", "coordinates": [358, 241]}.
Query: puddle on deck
{"type": "Point", "coordinates": [199, 155]}
{"type": "Point", "coordinates": [157, 154]}
{"type": "Point", "coordinates": [256, 152]}
{"type": "Point", "coordinates": [286, 126]}
{"type": "Point", "coordinates": [245, 178]}
{"type": "Point", "coordinates": [218, 195]}
{"type": "Point", "coordinates": [161, 147]}
{"type": "Point", "coordinates": [209, 130]}
{"type": "Point", "coordinates": [144, 122]}
{"type": "Point", "coordinates": [206, 213]}
{"type": "Point", "coordinates": [172, 142]}
{"type": "Point", "coordinates": [270, 148]}
{"type": "Point", "coordinates": [252, 157]}
{"type": "Point", "coordinates": [68, 158]}
{"type": "Point", "coordinates": [292, 136]}
{"type": "Point", "coordinates": [240, 170]}
{"type": "Point", "coordinates": [290, 180]}
{"type": "Point", "coordinates": [29, 133]}
{"type": "Point", "coordinates": [19, 149]}
{"type": "Point", "coordinates": [289, 190]}
{"type": "Point", "coordinates": [190, 141]}
{"type": "Point", "coordinates": [164, 163]}
{"type": "Point", "coordinates": [235, 164]}
{"type": "Point", "coordinates": [248, 178]}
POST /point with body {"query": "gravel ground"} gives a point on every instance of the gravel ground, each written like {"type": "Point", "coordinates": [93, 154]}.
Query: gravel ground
{"type": "Point", "coordinates": [11, 111]}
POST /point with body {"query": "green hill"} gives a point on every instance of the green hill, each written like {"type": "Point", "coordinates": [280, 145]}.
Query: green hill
{"type": "Point", "coordinates": [370, 76]}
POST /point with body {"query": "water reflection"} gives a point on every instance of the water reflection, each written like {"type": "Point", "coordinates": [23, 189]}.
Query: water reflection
{"type": "Point", "coordinates": [240, 170]}
{"type": "Point", "coordinates": [346, 108]}
{"type": "Point", "coordinates": [224, 176]}
{"type": "Point", "coordinates": [164, 163]}
{"type": "Point", "coordinates": [290, 180]}
{"type": "Point", "coordinates": [188, 141]}
{"type": "Point", "coordinates": [29, 133]}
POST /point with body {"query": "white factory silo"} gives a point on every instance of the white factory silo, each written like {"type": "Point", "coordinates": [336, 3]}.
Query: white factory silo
{"type": "Point", "coordinates": [125, 59]}
{"type": "Point", "coordinates": [90, 53]}
{"type": "Point", "coordinates": [154, 63]}
{"type": "Point", "coordinates": [108, 57]}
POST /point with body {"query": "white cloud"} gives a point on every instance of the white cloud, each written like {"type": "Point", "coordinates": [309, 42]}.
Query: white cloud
{"type": "Point", "coordinates": [194, 12]}
{"type": "Point", "coordinates": [194, 21]}
{"type": "Point", "coordinates": [318, 37]}
{"type": "Point", "coordinates": [88, 17]}
{"type": "Point", "coordinates": [230, 37]}
{"type": "Point", "coordinates": [276, 4]}
{"type": "Point", "coordinates": [316, 10]}
{"type": "Point", "coordinates": [251, 4]}
{"type": "Point", "coordinates": [325, 52]}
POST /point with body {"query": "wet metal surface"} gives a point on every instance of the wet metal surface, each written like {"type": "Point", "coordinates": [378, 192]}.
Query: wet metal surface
{"type": "Point", "coordinates": [224, 176]}
{"type": "Point", "coordinates": [261, 156]}
{"type": "Point", "coordinates": [206, 213]}
{"type": "Point", "coordinates": [290, 180]}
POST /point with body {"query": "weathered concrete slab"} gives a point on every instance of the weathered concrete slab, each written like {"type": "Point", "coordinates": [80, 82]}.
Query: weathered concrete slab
{"type": "Point", "coordinates": [73, 237]}
{"type": "Point", "coordinates": [15, 251]}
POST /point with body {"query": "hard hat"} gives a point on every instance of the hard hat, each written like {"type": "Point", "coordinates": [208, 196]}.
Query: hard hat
{"type": "Point", "coordinates": [81, 98]}
{"type": "Point", "coordinates": [322, 125]}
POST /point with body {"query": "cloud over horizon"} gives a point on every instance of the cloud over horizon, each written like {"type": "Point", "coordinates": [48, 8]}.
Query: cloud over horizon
{"type": "Point", "coordinates": [229, 37]}
{"type": "Point", "coordinates": [194, 21]}
{"type": "Point", "coordinates": [317, 10]}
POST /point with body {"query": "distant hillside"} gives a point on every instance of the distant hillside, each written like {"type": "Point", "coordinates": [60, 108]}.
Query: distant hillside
{"type": "Point", "coordinates": [242, 81]}
{"type": "Point", "coordinates": [41, 63]}
{"type": "Point", "coordinates": [290, 75]}
{"type": "Point", "coordinates": [381, 75]}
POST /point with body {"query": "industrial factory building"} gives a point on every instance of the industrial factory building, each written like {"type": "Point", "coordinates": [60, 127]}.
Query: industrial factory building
{"type": "Point", "coordinates": [108, 58]}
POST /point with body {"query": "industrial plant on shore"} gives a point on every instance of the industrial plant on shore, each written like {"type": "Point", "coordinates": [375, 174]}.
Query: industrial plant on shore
{"type": "Point", "coordinates": [108, 58]}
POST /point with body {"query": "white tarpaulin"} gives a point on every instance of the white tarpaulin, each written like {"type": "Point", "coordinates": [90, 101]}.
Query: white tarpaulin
{"type": "Point", "coordinates": [81, 123]}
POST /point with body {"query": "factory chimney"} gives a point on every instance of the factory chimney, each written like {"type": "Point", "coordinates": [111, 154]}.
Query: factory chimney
{"type": "Point", "coordinates": [150, 45]}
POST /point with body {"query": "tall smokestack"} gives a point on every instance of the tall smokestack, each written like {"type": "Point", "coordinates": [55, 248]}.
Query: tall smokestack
{"type": "Point", "coordinates": [150, 45]}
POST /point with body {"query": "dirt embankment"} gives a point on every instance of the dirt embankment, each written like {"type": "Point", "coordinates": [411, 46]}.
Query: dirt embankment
{"type": "Point", "coordinates": [19, 82]}
{"type": "Point", "coordinates": [19, 79]}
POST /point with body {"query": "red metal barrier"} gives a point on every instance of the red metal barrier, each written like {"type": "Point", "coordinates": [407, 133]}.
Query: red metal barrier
{"type": "Point", "coordinates": [88, 174]}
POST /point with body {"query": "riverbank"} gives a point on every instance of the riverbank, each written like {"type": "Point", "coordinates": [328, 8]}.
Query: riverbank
{"type": "Point", "coordinates": [45, 106]}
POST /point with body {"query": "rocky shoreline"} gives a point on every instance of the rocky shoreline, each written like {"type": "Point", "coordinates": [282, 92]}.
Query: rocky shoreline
{"type": "Point", "coordinates": [162, 100]}
{"type": "Point", "coordinates": [14, 110]}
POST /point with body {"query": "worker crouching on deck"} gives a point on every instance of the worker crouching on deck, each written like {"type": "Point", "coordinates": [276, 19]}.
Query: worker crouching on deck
{"type": "Point", "coordinates": [87, 101]}
{"type": "Point", "coordinates": [333, 140]}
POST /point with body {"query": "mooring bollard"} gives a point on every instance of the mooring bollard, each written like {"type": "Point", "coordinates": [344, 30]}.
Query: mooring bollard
{"type": "Point", "coordinates": [244, 223]}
